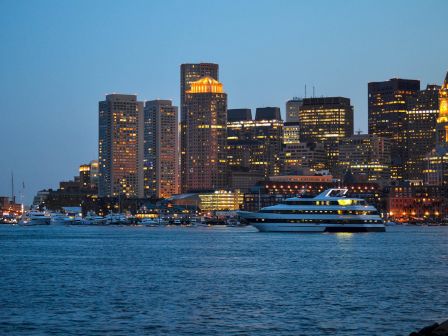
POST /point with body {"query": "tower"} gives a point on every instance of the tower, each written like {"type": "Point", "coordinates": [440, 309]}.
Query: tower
{"type": "Point", "coordinates": [442, 120]}
{"type": "Point", "coordinates": [205, 141]}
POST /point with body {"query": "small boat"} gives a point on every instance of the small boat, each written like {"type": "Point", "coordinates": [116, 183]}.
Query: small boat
{"type": "Point", "coordinates": [150, 222]}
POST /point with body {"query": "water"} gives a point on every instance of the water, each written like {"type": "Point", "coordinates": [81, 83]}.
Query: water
{"type": "Point", "coordinates": [174, 281]}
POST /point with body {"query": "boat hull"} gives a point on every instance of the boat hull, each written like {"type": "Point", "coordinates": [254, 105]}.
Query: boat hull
{"type": "Point", "coordinates": [294, 227]}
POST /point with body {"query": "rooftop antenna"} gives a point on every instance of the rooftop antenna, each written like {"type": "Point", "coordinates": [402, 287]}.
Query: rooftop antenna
{"type": "Point", "coordinates": [313, 93]}
{"type": "Point", "coordinates": [305, 90]}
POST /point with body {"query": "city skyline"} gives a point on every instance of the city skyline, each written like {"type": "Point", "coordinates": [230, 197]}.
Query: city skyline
{"type": "Point", "coordinates": [58, 118]}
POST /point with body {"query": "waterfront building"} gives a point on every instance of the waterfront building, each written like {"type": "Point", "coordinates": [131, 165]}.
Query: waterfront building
{"type": "Point", "coordinates": [366, 154]}
{"type": "Point", "coordinates": [303, 155]}
{"type": "Point", "coordinates": [326, 120]}
{"type": "Point", "coordinates": [420, 131]}
{"type": "Point", "coordinates": [417, 203]}
{"type": "Point", "coordinates": [217, 200]}
{"type": "Point", "coordinates": [120, 150]}
{"type": "Point", "coordinates": [190, 73]}
{"type": "Point", "coordinates": [160, 160]}
{"type": "Point", "coordinates": [268, 141]}
{"type": "Point", "coordinates": [292, 110]}
{"type": "Point", "coordinates": [205, 136]}
{"type": "Point", "coordinates": [388, 103]}
{"type": "Point", "coordinates": [8, 207]}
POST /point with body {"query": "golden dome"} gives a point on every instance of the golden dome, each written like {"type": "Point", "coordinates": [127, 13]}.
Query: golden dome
{"type": "Point", "coordinates": [205, 84]}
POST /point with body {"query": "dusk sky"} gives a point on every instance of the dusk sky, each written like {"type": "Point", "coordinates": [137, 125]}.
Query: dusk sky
{"type": "Point", "coordinates": [59, 58]}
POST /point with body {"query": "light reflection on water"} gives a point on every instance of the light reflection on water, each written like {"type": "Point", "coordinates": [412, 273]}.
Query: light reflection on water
{"type": "Point", "coordinates": [119, 281]}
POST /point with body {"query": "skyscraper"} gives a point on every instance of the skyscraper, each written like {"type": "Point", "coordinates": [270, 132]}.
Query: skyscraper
{"type": "Point", "coordinates": [268, 140]}
{"type": "Point", "coordinates": [420, 130]}
{"type": "Point", "coordinates": [120, 149]}
{"type": "Point", "coordinates": [240, 138]}
{"type": "Point", "coordinates": [442, 120]}
{"type": "Point", "coordinates": [388, 103]}
{"type": "Point", "coordinates": [161, 159]}
{"type": "Point", "coordinates": [205, 136]}
{"type": "Point", "coordinates": [326, 120]}
{"type": "Point", "coordinates": [188, 74]}
{"type": "Point", "coordinates": [436, 172]}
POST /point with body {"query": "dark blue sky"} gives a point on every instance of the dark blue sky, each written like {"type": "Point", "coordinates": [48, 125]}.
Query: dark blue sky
{"type": "Point", "coordinates": [59, 58]}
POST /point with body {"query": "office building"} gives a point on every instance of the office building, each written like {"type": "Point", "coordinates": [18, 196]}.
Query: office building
{"type": "Point", "coordinates": [161, 160]}
{"type": "Point", "coordinates": [292, 110]}
{"type": "Point", "coordinates": [368, 155]}
{"type": "Point", "coordinates": [120, 150]}
{"type": "Point", "coordinates": [388, 103]}
{"type": "Point", "coordinates": [240, 138]}
{"type": "Point", "coordinates": [420, 131]}
{"type": "Point", "coordinates": [291, 132]}
{"type": "Point", "coordinates": [266, 150]}
{"type": "Point", "coordinates": [205, 136]}
{"type": "Point", "coordinates": [436, 171]}
{"type": "Point", "coordinates": [188, 74]}
{"type": "Point", "coordinates": [326, 120]}
{"type": "Point", "coordinates": [297, 156]}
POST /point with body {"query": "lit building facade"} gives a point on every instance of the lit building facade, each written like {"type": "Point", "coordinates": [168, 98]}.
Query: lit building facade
{"type": "Point", "coordinates": [436, 172]}
{"type": "Point", "coordinates": [240, 138]}
{"type": "Point", "coordinates": [205, 136]}
{"type": "Point", "coordinates": [420, 131]}
{"type": "Point", "coordinates": [120, 150]}
{"type": "Point", "coordinates": [221, 200]}
{"type": "Point", "coordinates": [268, 141]}
{"type": "Point", "coordinates": [303, 155]}
{"type": "Point", "coordinates": [326, 120]}
{"type": "Point", "coordinates": [161, 160]}
{"type": "Point", "coordinates": [366, 154]}
{"type": "Point", "coordinates": [291, 133]}
{"type": "Point", "coordinates": [190, 73]}
{"type": "Point", "coordinates": [388, 103]}
{"type": "Point", "coordinates": [88, 175]}
{"type": "Point", "coordinates": [418, 203]}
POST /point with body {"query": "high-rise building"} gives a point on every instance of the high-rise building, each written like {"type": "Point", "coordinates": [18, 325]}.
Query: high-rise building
{"type": "Point", "coordinates": [436, 172]}
{"type": "Point", "coordinates": [420, 131]}
{"type": "Point", "coordinates": [120, 149]}
{"type": "Point", "coordinates": [240, 138]}
{"type": "Point", "coordinates": [161, 161]}
{"type": "Point", "coordinates": [326, 120]}
{"type": "Point", "coordinates": [205, 136]}
{"type": "Point", "coordinates": [388, 103]}
{"type": "Point", "coordinates": [188, 74]}
{"type": "Point", "coordinates": [442, 120]}
{"type": "Point", "coordinates": [268, 141]}
{"type": "Point", "coordinates": [292, 109]}
{"type": "Point", "coordinates": [368, 155]}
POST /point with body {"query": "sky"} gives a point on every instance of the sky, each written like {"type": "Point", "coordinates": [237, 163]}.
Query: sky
{"type": "Point", "coordinates": [59, 58]}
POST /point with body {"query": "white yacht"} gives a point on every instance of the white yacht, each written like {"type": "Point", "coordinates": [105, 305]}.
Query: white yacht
{"type": "Point", "coordinates": [58, 218]}
{"type": "Point", "coordinates": [330, 211]}
{"type": "Point", "coordinates": [34, 217]}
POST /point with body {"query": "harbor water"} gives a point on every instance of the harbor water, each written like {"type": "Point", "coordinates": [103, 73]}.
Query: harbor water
{"type": "Point", "coordinates": [223, 281]}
